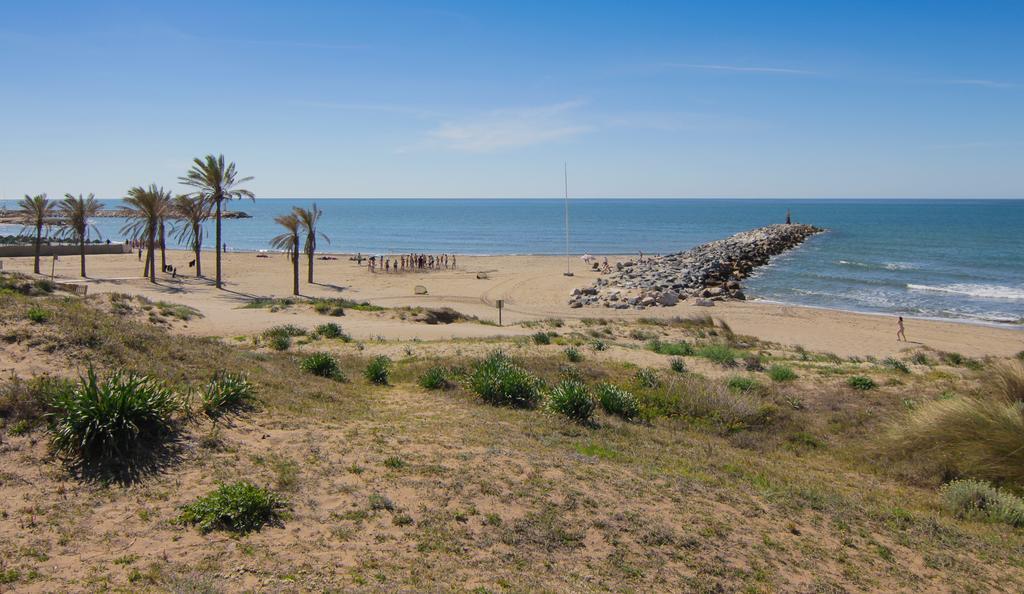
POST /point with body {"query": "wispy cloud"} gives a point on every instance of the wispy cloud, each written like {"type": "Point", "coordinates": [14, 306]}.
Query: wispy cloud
{"type": "Point", "coordinates": [511, 128]}
{"type": "Point", "coordinates": [735, 68]}
{"type": "Point", "coordinates": [980, 82]}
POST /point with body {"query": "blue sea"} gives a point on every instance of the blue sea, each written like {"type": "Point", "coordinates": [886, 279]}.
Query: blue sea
{"type": "Point", "coordinates": [951, 259]}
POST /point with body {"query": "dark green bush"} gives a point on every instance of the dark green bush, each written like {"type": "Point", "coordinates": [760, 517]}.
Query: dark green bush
{"type": "Point", "coordinates": [676, 349]}
{"type": "Point", "coordinates": [541, 338]}
{"type": "Point", "coordinates": [227, 391]}
{"type": "Point", "coordinates": [571, 398]}
{"type": "Point", "coordinates": [498, 380]}
{"type": "Point", "coordinates": [378, 370]}
{"type": "Point", "coordinates": [435, 378]}
{"type": "Point", "coordinates": [861, 382]}
{"type": "Point", "coordinates": [38, 314]}
{"type": "Point", "coordinates": [332, 330]}
{"type": "Point", "coordinates": [781, 373]}
{"type": "Point", "coordinates": [616, 401]}
{"type": "Point", "coordinates": [599, 345]}
{"type": "Point", "coordinates": [323, 365]}
{"type": "Point", "coordinates": [573, 354]}
{"type": "Point", "coordinates": [109, 422]}
{"type": "Point", "coordinates": [719, 353]}
{"type": "Point", "coordinates": [742, 383]}
{"type": "Point", "coordinates": [239, 507]}
{"type": "Point", "coordinates": [677, 365]}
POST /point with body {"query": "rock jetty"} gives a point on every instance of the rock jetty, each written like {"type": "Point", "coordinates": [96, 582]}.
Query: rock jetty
{"type": "Point", "coordinates": [707, 273]}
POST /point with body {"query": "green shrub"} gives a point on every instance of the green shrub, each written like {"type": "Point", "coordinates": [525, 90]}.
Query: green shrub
{"type": "Point", "coordinates": [109, 422]}
{"type": "Point", "coordinates": [571, 398]}
{"type": "Point", "coordinates": [332, 330]}
{"type": "Point", "coordinates": [861, 382]}
{"type": "Point", "coordinates": [647, 377]}
{"type": "Point", "coordinates": [742, 383]}
{"type": "Point", "coordinates": [279, 342]}
{"type": "Point", "coordinates": [394, 462]}
{"type": "Point", "coordinates": [285, 330]}
{"type": "Point", "coordinates": [677, 365]}
{"type": "Point", "coordinates": [323, 365]}
{"type": "Point", "coordinates": [435, 378]}
{"type": "Point", "coordinates": [573, 354]}
{"type": "Point", "coordinates": [1020, 355]}
{"type": "Point", "coordinates": [719, 353]}
{"type": "Point", "coordinates": [616, 401]}
{"type": "Point", "coordinates": [896, 365]}
{"type": "Point", "coordinates": [378, 370]}
{"type": "Point", "coordinates": [599, 345]}
{"type": "Point", "coordinates": [328, 307]}
{"type": "Point", "coordinates": [979, 500]}
{"type": "Point", "coordinates": [498, 380]}
{"type": "Point", "coordinates": [227, 391]}
{"type": "Point", "coordinates": [239, 507]}
{"type": "Point", "coordinates": [781, 373]}
{"type": "Point", "coordinates": [676, 349]}
{"type": "Point", "coordinates": [38, 314]}
{"type": "Point", "coordinates": [541, 338]}
{"type": "Point", "coordinates": [971, 437]}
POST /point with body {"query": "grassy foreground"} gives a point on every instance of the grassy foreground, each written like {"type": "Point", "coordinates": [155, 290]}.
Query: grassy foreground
{"type": "Point", "coordinates": [378, 467]}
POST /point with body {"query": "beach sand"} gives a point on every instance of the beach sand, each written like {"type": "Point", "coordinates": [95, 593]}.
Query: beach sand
{"type": "Point", "coordinates": [532, 288]}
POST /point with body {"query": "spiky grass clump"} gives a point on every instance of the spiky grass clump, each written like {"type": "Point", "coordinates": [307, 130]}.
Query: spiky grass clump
{"type": "Point", "coordinates": [323, 365]}
{"type": "Point", "coordinates": [896, 365]}
{"type": "Point", "coordinates": [675, 349]}
{"type": "Point", "coordinates": [332, 330]}
{"type": "Point", "coordinates": [719, 353]}
{"type": "Point", "coordinates": [973, 437]}
{"type": "Point", "coordinates": [677, 365]}
{"type": "Point", "coordinates": [109, 422]}
{"type": "Point", "coordinates": [435, 378]}
{"type": "Point", "coordinates": [861, 382]}
{"type": "Point", "coordinates": [541, 338]}
{"type": "Point", "coordinates": [616, 401]}
{"type": "Point", "coordinates": [570, 397]}
{"type": "Point", "coordinates": [647, 378]}
{"type": "Point", "coordinates": [240, 507]}
{"type": "Point", "coordinates": [227, 391]}
{"type": "Point", "coordinates": [599, 345]}
{"type": "Point", "coordinates": [1009, 378]}
{"type": "Point", "coordinates": [573, 354]}
{"type": "Point", "coordinates": [499, 380]}
{"type": "Point", "coordinates": [979, 500]}
{"type": "Point", "coordinates": [378, 370]}
{"type": "Point", "coordinates": [781, 373]}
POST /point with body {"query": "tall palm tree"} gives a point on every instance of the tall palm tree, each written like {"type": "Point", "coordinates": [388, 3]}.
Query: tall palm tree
{"type": "Point", "coordinates": [35, 213]}
{"type": "Point", "coordinates": [217, 183]}
{"type": "Point", "coordinates": [192, 212]}
{"type": "Point", "coordinates": [309, 219]}
{"type": "Point", "coordinates": [146, 208]}
{"type": "Point", "coordinates": [289, 240]}
{"type": "Point", "coordinates": [77, 214]}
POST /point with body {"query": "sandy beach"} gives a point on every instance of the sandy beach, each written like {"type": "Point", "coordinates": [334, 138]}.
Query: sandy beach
{"type": "Point", "coordinates": [532, 288]}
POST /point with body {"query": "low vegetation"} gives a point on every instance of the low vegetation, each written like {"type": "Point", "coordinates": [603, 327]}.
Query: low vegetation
{"type": "Point", "coordinates": [861, 382]}
{"type": "Point", "coordinates": [572, 398]}
{"type": "Point", "coordinates": [324, 365]}
{"type": "Point", "coordinates": [240, 507]}
{"type": "Point", "coordinates": [378, 370]}
{"type": "Point", "coordinates": [979, 500]}
{"type": "Point", "coordinates": [435, 378]}
{"type": "Point", "coordinates": [781, 373]}
{"type": "Point", "coordinates": [675, 349]}
{"type": "Point", "coordinates": [617, 401]}
{"type": "Point", "coordinates": [498, 380]}
{"type": "Point", "coordinates": [226, 392]}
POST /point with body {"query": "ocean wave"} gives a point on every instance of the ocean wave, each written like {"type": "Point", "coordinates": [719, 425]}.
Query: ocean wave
{"type": "Point", "coordinates": [973, 290]}
{"type": "Point", "coordinates": [878, 266]}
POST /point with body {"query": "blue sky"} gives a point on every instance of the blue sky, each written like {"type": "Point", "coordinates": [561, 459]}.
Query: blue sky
{"type": "Point", "coordinates": [487, 99]}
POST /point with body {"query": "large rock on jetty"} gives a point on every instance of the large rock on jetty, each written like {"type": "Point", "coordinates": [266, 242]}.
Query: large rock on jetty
{"type": "Point", "coordinates": [709, 272]}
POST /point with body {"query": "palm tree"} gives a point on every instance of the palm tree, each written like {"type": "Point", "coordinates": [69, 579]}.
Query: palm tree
{"type": "Point", "coordinates": [77, 213]}
{"type": "Point", "coordinates": [193, 211]}
{"type": "Point", "coordinates": [146, 208]}
{"type": "Point", "coordinates": [289, 240]}
{"type": "Point", "coordinates": [309, 219]}
{"type": "Point", "coordinates": [217, 183]}
{"type": "Point", "coordinates": [36, 212]}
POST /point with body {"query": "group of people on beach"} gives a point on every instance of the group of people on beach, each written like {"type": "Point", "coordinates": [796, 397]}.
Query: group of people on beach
{"type": "Point", "coordinates": [411, 262]}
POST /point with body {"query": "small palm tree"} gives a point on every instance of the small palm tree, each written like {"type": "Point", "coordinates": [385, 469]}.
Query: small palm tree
{"type": "Point", "coordinates": [192, 211]}
{"type": "Point", "coordinates": [289, 241]}
{"type": "Point", "coordinates": [77, 213]}
{"type": "Point", "coordinates": [35, 213]}
{"type": "Point", "coordinates": [216, 182]}
{"type": "Point", "coordinates": [146, 208]}
{"type": "Point", "coordinates": [309, 219]}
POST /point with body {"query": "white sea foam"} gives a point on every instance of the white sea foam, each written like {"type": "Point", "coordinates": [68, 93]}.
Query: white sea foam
{"type": "Point", "coordinates": [973, 290]}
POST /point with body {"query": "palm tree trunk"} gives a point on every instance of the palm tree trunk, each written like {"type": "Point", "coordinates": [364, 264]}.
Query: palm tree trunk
{"type": "Point", "coordinates": [310, 266]}
{"type": "Point", "coordinates": [151, 256]}
{"type": "Point", "coordinates": [218, 242]}
{"type": "Point", "coordinates": [295, 269]}
{"type": "Point", "coordinates": [163, 248]}
{"type": "Point", "coordinates": [197, 233]}
{"type": "Point", "coordinates": [81, 251]}
{"type": "Point", "coordinates": [39, 241]}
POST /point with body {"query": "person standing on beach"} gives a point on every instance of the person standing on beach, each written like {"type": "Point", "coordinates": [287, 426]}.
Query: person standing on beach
{"type": "Point", "coordinates": [900, 336]}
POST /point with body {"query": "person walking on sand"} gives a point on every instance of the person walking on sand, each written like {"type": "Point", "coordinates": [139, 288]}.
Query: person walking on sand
{"type": "Point", "coordinates": [900, 336]}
